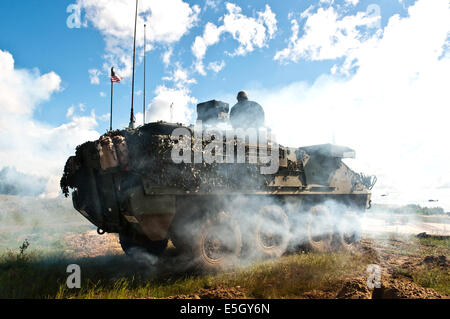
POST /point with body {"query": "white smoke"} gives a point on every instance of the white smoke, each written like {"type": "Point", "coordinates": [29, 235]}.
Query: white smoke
{"type": "Point", "coordinates": [392, 109]}
{"type": "Point", "coordinates": [33, 147]}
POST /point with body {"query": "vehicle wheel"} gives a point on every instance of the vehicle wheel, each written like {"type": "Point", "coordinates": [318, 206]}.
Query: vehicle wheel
{"type": "Point", "coordinates": [349, 230]}
{"type": "Point", "coordinates": [181, 230]}
{"type": "Point", "coordinates": [319, 229]}
{"type": "Point", "coordinates": [217, 245]}
{"type": "Point", "coordinates": [271, 236]}
{"type": "Point", "coordinates": [131, 246]}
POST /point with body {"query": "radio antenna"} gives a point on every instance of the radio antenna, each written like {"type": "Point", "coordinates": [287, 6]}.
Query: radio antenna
{"type": "Point", "coordinates": [132, 119]}
{"type": "Point", "coordinates": [145, 53]}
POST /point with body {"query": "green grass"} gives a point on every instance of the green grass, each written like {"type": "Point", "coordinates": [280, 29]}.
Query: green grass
{"type": "Point", "coordinates": [428, 275]}
{"type": "Point", "coordinates": [432, 246]}
{"type": "Point", "coordinates": [31, 275]}
{"type": "Point", "coordinates": [412, 245]}
{"type": "Point", "coordinates": [435, 242]}
{"type": "Point", "coordinates": [293, 275]}
{"type": "Point", "coordinates": [434, 277]}
{"type": "Point", "coordinates": [39, 271]}
{"type": "Point", "coordinates": [44, 222]}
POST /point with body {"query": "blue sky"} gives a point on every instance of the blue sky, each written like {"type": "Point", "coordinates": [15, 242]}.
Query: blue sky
{"type": "Point", "coordinates": [38, 37]}
{"type": "Point", "coordinates": [352, 71]}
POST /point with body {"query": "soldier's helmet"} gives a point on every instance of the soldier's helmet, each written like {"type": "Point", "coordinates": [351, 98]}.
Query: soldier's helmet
{"type": "Point", "coordinates": [242, 96]}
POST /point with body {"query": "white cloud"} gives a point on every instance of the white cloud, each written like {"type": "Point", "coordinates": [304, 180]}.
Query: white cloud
{"type": "Point", "coordinates": [105, 117]}
{"type": "Point", "coordinates": [167, 21]}
{"type": "Point", "coordinates": [393, 111]}
{"type": "Point", "coordinates": [213, 4]}
{"type": "Point", "coordinates": [70, 111]}
{"type": "Point", "coordinates": [22, 90]}
{"type": "Point", "coordinates": [102, 94]}
{"type": "Point", "coordinates": [270, 21]}
{"type": "Point", "coordinates": [166, 56]}
{"type": "Point", "coordinates": [180, 77]}
{"type": "Point", "coordinates": [216, 66]}
{"type": "Point", "coordinates": [27, 144]}
{"type": "Point", "coordinates": [347, 2]}
{"type": "Point", "coordinates": [249, 32]}
{"type": "Point", "coordinates": [94, 75]}
{"type": "Point", "coordinates": [328, 35]}
{"type": "Point", "coordinates": [352, 2]}
{"type": "Point", "coordinates": [160, 106]}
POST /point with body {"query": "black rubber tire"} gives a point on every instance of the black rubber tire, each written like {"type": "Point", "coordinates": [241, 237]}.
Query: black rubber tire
{"type": "Point", "coordinates": [223, 229]}
{"type": "Point", "coordinates": [186, 222]}
{"type": "Point", "coordinates": [180, 231]}
{"type": "Point", "coordinates": [266, 243]}
{"type": "Point", "coordinates": [349, 231]}
{"type": "Point", "coordinates": [324, 242]}
{"type": "Point", "coordinates": [131, 246]}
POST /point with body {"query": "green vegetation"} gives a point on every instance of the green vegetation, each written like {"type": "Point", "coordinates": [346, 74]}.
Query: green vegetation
{"type": "Point", "coordinates": [416, 209]}
{"type": "Point", "coordinates": [435, 242]}
{"type": "Point", "coordinates": [44, 222]}
{"type": "Point", "coordinates": [429, 275]}
{"type": "Point", "coordinates": [291, 276]}
{"type": "Point", "coordinates": [409, 209]}
{"type": "Point", "coordinates": [30, 275]}
{"type": "Point", "coordinates": [33, 262]}
{"type": "Point", "coordinates": [435, 277]}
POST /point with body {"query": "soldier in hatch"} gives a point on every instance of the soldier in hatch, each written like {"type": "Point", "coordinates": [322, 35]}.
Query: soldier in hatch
{"type": "Point", "coordinates": [246, 113]}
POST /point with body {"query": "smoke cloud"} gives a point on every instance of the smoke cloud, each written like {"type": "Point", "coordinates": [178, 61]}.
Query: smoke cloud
{"type": "Point", "coordinates": [391, 107]}
{"type": "Point", "coordinates": [32, 147]}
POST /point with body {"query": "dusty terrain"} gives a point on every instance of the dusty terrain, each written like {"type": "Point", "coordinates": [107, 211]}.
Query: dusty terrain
{"type": "Point", "coordinates": [90, 244]}
{"type": "Point", "coordinates": [58, 236]}
{"type": "Point", "coordinates": [397, 256]}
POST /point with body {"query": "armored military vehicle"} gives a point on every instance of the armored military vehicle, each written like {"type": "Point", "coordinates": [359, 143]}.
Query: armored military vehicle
{"type": "Point", "coordinates": [142, 184]}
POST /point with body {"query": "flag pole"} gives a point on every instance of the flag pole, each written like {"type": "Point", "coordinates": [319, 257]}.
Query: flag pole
{"type": "Point", "coordinates": [132, 121]}
{"type": "Point", "coordinates": [112, 95]}
{"type": "Point", "coordinates": [112, 92]}
{"type": "Point", "coordinates": [145, 54]}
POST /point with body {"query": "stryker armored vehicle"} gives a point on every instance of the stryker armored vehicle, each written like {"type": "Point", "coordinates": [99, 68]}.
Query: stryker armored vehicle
{"type": "Point", "coordinates": [146, 185]}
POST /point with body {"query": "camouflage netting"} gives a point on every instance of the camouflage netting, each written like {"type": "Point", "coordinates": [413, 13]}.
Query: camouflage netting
{"type": "Point", "coordinates": [66, 181]}
{"type": "Point", "coordinates": [73, 164]}
{"type": "Point", "coordinates": [150, 157]}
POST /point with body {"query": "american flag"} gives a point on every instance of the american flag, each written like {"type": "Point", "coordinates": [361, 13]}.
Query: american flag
{"type": "Point", "coordinates": [115, 78]}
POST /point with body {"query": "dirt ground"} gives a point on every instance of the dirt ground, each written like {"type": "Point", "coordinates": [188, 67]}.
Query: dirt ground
{"type": "Point", "coordinates": [91, 244]}
{"type": "Point", "coordinates": [391, 255]}
{"type": "Point", "coordinates": [393, 284]}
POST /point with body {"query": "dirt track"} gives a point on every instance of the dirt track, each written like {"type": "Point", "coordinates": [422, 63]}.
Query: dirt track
{"type": "Point", "coordinates": [395, 256]}
{"type": "Point", "coordinates": [393, 284]}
